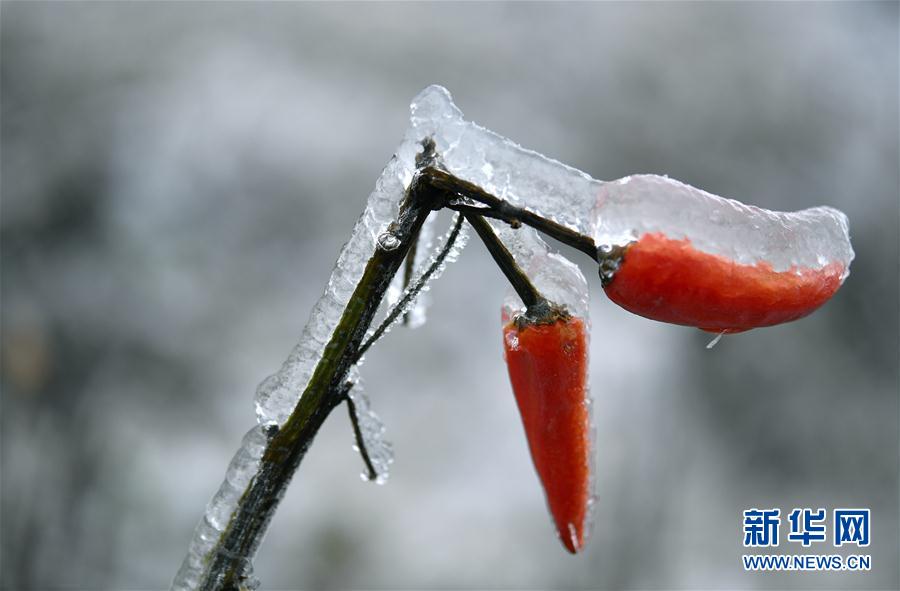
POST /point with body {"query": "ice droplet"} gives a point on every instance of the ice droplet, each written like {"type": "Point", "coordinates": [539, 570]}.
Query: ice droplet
{"type": "Point", "coordinates": [411, 306]}
{"type": "Point", "coordinates": [388, 241]}
{"type": "Point", "coordinates": [715, 340]}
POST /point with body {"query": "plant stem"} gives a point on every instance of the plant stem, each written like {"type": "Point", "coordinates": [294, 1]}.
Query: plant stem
{"type": "Point", "coordinates": [408, 269]}
{"type": "Point", "coordinates": [529, 294]}
{"type": "Point", "coordinates": [431, 189]}
{"type": "Point", "coordinates": [412, 292]}
{"type": "Point", "coordinates": [506, 211]}
{"type": "Point", "coordinates": [241, 538]}
{"type": "Point", "coordinates": [371, 472]}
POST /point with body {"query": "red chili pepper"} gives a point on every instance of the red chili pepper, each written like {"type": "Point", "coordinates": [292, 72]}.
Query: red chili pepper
{"type": "Point", "coordinates": [548, 369]}
{"type": "Point", "coordinates": [671, 281]}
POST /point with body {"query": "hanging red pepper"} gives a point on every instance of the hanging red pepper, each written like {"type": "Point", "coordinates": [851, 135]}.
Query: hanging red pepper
{"type": "Point", "coordinates": [671, 281]}
{"type": "Point", "coordinates": [546, 350]}
{"type": "Point", "coordinates": [548, 368]}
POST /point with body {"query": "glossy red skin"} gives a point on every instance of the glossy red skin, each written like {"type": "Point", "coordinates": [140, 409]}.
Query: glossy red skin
{"type": "Point", "coordinates": [548, 371]}
{"type": "Point", "coordinates": [671, 281]}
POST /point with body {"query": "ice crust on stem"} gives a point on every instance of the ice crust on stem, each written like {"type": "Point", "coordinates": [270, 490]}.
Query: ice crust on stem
{"type": "Point", "coordinates": [241, 471]}
{"type": "Point", "coordinates": [505, 169]}
{"type": "Point", "coordinates": [522, 177]}
{"type": "Point", "coordinates": [467, 151]}
{"type": "Point", "coordinates": [617, 212]}
{"type": "Point", "coordinates": [448, 252]}
{"type": "Point", "coordinates": [416, 314]}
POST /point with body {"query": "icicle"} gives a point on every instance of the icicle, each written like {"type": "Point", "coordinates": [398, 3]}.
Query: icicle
{"type": "Point", "coordinates": [715, 340]}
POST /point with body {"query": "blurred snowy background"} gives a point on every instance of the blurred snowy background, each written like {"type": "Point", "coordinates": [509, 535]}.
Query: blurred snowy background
{"type": "Point", "coordinates": [177, 180]}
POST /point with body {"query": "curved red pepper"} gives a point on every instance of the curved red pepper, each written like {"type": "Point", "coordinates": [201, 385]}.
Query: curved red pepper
{"type": "Point", "coordinates": [548, 369]}
{"type": "Point", "coordinates": [671, 281]}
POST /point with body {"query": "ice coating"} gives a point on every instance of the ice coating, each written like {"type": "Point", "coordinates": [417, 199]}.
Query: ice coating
{"type": "Point", "coordinates": [241, 471]}
{"type": "Point", "coordinates": [505, 169]}
{"type": "Point", "coordinates": [558, 279]}
{"type": "Point", "coordinates": [542, 185]}
{"type": "Point", "coordinates": [548, 370]}
{"type": "Point", "coordinates": [631, 207]}
{"type": "Point", "coordinates": [380, 451]}
{"type": "Point", "coordinates": [430, 269]}
{"type": "Point", "coordinates": [469, 152]}
{"type": "Point", "coordinates": [278, 394]}
{"type": "Point", "coordinates": [416, 313]}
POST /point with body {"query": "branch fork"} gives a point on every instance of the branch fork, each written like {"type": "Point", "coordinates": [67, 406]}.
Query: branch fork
{"type": "Point", "coordinates": [431, 189]}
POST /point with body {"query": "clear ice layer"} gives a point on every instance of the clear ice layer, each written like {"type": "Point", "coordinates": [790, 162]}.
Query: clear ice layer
{"type": "Point", "coordinates": [430, 267]}
{"type": "Point", "coordinates": [416, 313]}
{"type": "Point", "coordinates": [524, 177]}
{"type": "Point", "coordinates": [241, 471]}
{"type": "Point", "coordinates": [613, 213]}
{"type": "Point", "coordinates": [555, 277]}
{"type": "Point", "coordinates": [630, 207]}
{"type": "Point", "coordinates": [278, 394]}
{"type": "Point", "coordinates": [617, 212]}
{"type": "Point", "coordinates": [468, 151]}
{"type": "Point", "coordinates": [503, 168]}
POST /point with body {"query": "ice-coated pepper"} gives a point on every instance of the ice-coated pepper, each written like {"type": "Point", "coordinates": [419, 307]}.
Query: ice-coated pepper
{"type": "Point", "coordinates": [548, 369]}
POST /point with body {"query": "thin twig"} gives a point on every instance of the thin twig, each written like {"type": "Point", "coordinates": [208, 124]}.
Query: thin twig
{"type": "Point", "coordinates": [526, 290]}
{"type": "Point", "coordinates": [507, 211]}
{"type": "Point", "coordinates": [486, 212]}
{"type": "Point", "coordinates": [431, 189]}
{"type": "Point", "coordinates": [372, 474]}
{"type": "Point", "coordinates": [229, 558]}
{"type": "Point", "coordinates": [409, 268]}
{"type": "Point", "coordinates": [413, 291]}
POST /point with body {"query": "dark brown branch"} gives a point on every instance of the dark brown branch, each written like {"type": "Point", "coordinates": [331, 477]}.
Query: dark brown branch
{"type": "Point", "coordinates": [431, 189]}
{"type": "Point", "coordinates": [526, 290]}
{"type": "Point", "coordinates": [371, 473]}
{"type": "Point", "coordinates": [485, 212]}
{"type": "Point", "coordinates": [237, 545]}
{"type": "Point", "coordinates": [508, 212]}
{"type": "Point", "coordinates": [409, 268]}
{"type": "Point", "coordinates": [411, 293]}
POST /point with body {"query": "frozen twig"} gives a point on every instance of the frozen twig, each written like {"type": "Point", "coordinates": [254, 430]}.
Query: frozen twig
{"type": "Point", "coordinates": [530, 296]}
{"type": "Point", "coordinates": [506, 211]}
{"type": "Point", "coordinates": [411, 292]}
{"type": "Point", "coordinates": [371, 472]}
{"type": "Point", "coordinates": [328, 387]}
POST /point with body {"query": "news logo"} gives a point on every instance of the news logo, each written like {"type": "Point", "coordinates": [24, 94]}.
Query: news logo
{"type": "Point", "coordinates": [806, 527]}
